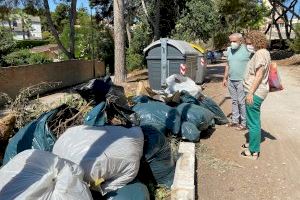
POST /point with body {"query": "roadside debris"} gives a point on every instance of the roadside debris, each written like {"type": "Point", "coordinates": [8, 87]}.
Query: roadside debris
{"type": "Point", "coordinates": [123, 145]}
{"type": "Point", "coordinates": [177, 82]}
{"type": "Point", "coordinates": [7, 124]}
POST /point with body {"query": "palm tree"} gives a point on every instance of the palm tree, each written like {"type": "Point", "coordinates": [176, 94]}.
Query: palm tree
{"type": "Point", "coordinates": [25, 23]}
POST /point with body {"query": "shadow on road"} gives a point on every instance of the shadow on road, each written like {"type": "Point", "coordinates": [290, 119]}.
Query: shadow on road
{"type": "Point", "coordinates": [207, 133]}
{"type": "Point", "coordinates": [214, 73]}
{"type": "Point", "coordinates": [264, 135]}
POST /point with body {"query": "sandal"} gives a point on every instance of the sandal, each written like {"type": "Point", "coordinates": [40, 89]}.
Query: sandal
{"type": "Point", "coordinates": [250, 155]}
{"type": "Point", "coordinates": [230, 124]}
{"type": "Point", "coordinates": [241, 128]}
{"type": "Point", "coordinates": [245, 146]}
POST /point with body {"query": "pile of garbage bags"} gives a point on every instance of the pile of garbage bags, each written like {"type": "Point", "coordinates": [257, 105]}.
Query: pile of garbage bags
{"type": "Point", "coordinates": [37, 174]}
{"type": "Point", "coordinates": [108, 151]}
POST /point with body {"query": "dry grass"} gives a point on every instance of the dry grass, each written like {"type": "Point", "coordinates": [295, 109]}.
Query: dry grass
{"type": "Point", "coordinates": [23, 107]}
{"type": "Point", "coordinates": [206, 157]}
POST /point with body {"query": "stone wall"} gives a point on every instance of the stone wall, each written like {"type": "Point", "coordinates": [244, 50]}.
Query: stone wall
{"type": "Point", "coordinates": [68, 73]}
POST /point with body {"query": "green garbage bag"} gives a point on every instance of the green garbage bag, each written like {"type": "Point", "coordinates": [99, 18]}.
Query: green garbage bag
{"type": "Point", "coordinates": [208, 103]}
{"type": "Point", "coordinates": [158, 154]}
{"type": "Point", "coordinates": [97, 116]}
{"type": "Point", "coordinates": [158, 113]}
{"type": "Point", "coordinates": [142, 99]}
{"type": "Point", "coordinates": [190, 132]}
{"type": "Point", "coordinates": [35, 135]}
{"type": "Point", "coordinates": [201, 117]}
{"type": "Point", "coordinates": [132, 191]}
{"type": "Point", "coordinates": [185, 97]}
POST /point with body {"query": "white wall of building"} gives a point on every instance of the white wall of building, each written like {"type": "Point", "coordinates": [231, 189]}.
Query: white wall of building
{"type": "Point", "coordinates": [36, 30]}
{"type": "Point", "coordinates": [35, 33]}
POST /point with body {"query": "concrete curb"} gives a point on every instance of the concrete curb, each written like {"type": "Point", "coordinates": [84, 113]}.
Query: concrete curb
{"type": "Point", "coordinates": [183, 187]}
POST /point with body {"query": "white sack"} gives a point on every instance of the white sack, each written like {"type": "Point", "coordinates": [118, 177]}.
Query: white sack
{"type": "Point", "coordinates": [177, 82]}
{"type": "Point", "coordinates": [109, 155]}
{"type": "Point", "coordinates": [40, 175]}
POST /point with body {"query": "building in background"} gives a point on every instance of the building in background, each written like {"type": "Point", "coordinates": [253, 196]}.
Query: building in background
{"type": "Point", "coordinates": [272, 33]}
{"type": "Point", "coordinates": [30, 28]}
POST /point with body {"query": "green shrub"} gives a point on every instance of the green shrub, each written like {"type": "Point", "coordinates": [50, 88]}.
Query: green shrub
{"type": "Point", "coordinates": [141, 38]}
{"type": "Point", "coordinates": [37, 58]}
{"type": "Point", "coordinates": [17, 57]}
{"type": "Point", "coordinates": [7, 43]}
{"type": "Point", "coordinates": [28, 44]}
{"type": "Point", "coordinates": [23, 57]}
{"type": "Point", "coordinates": [220, 40]}
{"type": "Point", "coordinates": [134, 61]}
{"type": "Point", "coordinates": [46, 35]}
{"type": "Point", "coordinates": [104, 46]}
{"type": "Point", "coordinates": [295, 45]}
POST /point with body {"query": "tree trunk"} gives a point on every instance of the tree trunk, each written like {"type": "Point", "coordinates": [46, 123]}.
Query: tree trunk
{"type": "Point", "coordinates": [128, 33]}
{"type": "Point", "coordinates": [9, 24]}
{"type": "Point", "coordinates": [157, 22]}
{"type": "Point", "coordinates": [280, 15]}
{"type": "Point", "coordinates": [288, 8]}
{"type": "Point", "coordinates": [72, 27]}
{"type": "Point", "coordinates": [286, 27]}
{"type": "Point", "coordinates": [53, 30]}
{"type": "Point", "coordinates": [267, 30]}
{"type": "Point", "coordinates": [23, 30]}
{"type": "Point", "coordinates": [119, 37]}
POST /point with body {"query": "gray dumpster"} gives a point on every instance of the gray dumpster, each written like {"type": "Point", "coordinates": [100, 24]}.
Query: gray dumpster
{"type": "Point", "coordinates": [164, 57]}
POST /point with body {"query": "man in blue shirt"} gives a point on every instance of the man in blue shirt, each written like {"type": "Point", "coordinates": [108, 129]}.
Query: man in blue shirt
{"type": "Point", "coordinates": [237, 59]}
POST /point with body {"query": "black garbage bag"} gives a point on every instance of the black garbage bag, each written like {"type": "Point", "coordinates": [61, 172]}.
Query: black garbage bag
{"type": "Point", "coordinates": [119, 115]}
{"type": "Point", "coordinates": [116, 95]}
{"type": "Point", "coordinates": [95, 90]}
{"type": "Point", "coordinates": [190, 132]}
{"type": "Point", "coordinates": [158, 154]}
{"type": "Point", "coordinates": [157, 113]}
{"type": "Point", "coordinates": [208, 103]}
{"type": "Point", "coordinates": [201, 117]}
{"type": "Point", "coordinates": [103, 89]}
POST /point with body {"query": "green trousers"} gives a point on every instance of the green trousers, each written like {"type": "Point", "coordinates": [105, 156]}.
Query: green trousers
{"type": "Point", "coordinates": [253, 123]}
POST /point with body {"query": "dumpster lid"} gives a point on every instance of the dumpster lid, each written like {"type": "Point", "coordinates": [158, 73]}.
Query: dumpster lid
{"type": "Point", "coordinates": [184, 47]}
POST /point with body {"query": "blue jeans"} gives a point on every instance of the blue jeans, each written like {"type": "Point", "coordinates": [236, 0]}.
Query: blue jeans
{"type": "Point", "coordinates": [237, 93]}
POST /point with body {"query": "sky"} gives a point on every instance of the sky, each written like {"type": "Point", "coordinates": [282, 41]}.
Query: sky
{"type": "Point", "coordinates": [297, 8]}
{"type": "Point", "coordinates": [80, 4]}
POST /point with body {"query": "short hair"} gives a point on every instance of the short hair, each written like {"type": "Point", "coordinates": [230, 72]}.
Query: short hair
{"type": "Point", "coordinates": [258, 39]}
{"type": "Point", "coordinates": [237, 35]}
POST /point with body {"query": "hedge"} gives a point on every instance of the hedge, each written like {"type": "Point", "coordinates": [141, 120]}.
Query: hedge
{"type": "Point", "coordinates": [28, 44]}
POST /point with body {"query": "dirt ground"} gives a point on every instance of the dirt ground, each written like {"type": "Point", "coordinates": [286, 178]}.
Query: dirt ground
{"type": "Point", "coordinates": [224, 174]}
